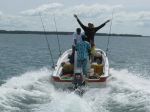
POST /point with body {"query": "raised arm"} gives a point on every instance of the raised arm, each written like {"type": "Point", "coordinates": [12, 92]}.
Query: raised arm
{"type": "Point", "coordinates": [101, 26]}
{"type": "Point", "coordinates": [80, 23]}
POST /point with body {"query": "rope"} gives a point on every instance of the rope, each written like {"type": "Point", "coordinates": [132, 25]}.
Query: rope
{"type": "Point", "coordinates": [57, 36]}
{"type": "Point", "coordinates": [108, 41]}
{"type": "Point", "coordinates": [47, 40]}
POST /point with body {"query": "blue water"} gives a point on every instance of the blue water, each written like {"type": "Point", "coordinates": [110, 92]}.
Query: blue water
{"type": "Point", "coordinates": [25, 72]}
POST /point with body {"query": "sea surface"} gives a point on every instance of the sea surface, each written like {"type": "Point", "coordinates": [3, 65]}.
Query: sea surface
{"type": "Point", "coordinates": [25, 70]}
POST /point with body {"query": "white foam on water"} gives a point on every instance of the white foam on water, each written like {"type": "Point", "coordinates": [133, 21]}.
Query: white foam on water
{"type": "Point", "coordinates": [24, 91]}
{"type": "Point", "coordinates": [33, 92]}
{"type": "Point", "coordinates": [65, 102]}
{"type": "Point", "coordinates": [130, 91]}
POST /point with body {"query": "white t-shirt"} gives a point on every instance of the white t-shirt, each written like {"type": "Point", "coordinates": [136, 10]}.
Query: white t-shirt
{"type": "Point", "coordinates": [77, 37]}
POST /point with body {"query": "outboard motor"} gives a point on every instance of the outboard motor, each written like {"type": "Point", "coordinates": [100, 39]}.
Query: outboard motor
{"type": "Point", "coordinates": [78, 84]}
{"type": "Point", "coordinates": [78, 80]}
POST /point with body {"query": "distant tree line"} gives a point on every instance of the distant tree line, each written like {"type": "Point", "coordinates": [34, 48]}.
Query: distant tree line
{"type": "Point", "coordinates": [62, 33]}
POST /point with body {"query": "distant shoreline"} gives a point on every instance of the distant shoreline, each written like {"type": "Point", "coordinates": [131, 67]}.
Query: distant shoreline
{"type": "Point", "coordinates": [62, 33]}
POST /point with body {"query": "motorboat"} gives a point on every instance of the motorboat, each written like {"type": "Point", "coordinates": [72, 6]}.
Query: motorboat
{"type": "Point", "coordinates": [98, 73]}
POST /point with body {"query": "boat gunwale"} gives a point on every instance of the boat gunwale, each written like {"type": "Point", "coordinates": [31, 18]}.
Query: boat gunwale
{"type": "Point", "coordinates": [58, 67]}
{"type": "Point", "coordinates": [57, 79]}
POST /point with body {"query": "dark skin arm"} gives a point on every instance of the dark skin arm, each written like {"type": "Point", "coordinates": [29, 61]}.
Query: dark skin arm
{"type": "Point", "coordinates": [80, 23]}
{"type": "Point", "coordinates": [102, 25]}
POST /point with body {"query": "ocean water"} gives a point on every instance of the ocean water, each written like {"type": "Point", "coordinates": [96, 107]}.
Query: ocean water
{"type": "Point", "coordinates": [25, 73]}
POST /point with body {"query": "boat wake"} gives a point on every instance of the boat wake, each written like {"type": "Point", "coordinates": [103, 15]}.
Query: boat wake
{"type": "Point", "coordinates": [32, 92]}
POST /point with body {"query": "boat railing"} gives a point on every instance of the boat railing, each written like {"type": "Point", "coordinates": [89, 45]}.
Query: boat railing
{"type": "Point", "coordinates": [64, 58]}
{"type": "Point", "coordinates": [105, 59]}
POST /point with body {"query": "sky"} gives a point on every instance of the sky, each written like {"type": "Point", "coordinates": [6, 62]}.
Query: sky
{"type": "Point", "coordinates": [129, 16]}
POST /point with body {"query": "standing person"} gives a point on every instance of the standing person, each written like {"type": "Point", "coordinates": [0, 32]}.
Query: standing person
{"type": "Point", "coordinates": [77, 36]}
{"type": "Point", "coordinates": [76, 39]}
{"type": "Point", "coordinates": [90, 30]}
{"type": "Point", "coordinates": [83, 49]}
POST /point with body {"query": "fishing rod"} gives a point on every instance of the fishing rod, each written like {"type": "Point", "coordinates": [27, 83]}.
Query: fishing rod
{"type": "Point", "coordinates": [57, 36]}
{"type": "Point", "coordinates": [108, 41]}
{"type": "Point", "coordinates": [49, 48]}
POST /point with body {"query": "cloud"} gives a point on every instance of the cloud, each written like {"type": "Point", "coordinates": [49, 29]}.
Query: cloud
{"type": "Point", "coordinates": [43, 9]}
{"type": "Point", "coordinates": [125, 21]}
{"type": "Point", "coordinates": [18, 22]}
{"type": "Point", "coordinates": [1, 13]}
{"type": "Point", "coordinates": [93, 10]}
{"type": "Point", "coordinates": [144, 15]}
{"type": "Point", "coordinates": [11, 22]}
{"type": "Point", "coordinates": [136, 18]}
{"type": "Point", "coordinates": [133, 16]}
{"type": "Point", "coordinates": [95, 13]}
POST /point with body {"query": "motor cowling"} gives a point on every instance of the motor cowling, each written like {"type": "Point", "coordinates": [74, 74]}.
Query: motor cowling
{"type": "Point", "coordinates": [78, 80]}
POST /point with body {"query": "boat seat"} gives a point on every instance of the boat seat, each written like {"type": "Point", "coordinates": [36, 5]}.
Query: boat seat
{"type": "Point", "coordinates": [67, 69]}
{"type": "Point", "coordinates": [98, 68]}
{"type": "Point", "coordinates": [98, 58]}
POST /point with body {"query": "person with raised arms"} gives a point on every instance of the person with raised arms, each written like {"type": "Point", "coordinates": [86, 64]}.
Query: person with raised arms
{"type": "Point", "coordinates": [90, 30]}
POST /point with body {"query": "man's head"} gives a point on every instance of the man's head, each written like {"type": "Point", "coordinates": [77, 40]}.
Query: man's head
{"type": "Point", "coordinates": [78, 30]}
{"type": "Point", "coordinates": [90, 25]}
{"type": "Point", "coordinates": [84, 37]}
